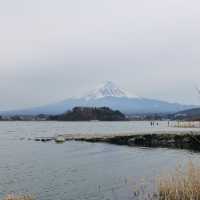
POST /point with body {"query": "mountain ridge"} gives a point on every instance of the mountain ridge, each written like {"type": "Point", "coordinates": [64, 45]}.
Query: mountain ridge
{"type": "Point", "coordinates": [108, 95]}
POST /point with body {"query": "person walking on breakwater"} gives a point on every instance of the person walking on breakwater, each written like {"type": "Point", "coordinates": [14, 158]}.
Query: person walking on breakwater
{"type": "Point", "coordinates": [152, 123]}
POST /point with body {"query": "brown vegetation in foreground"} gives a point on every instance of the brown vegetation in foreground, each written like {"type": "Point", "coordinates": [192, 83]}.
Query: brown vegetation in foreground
{"type": "Point", "coordinates": [183, 184]}
{"type": "Point", "coordinates": [13, 197]}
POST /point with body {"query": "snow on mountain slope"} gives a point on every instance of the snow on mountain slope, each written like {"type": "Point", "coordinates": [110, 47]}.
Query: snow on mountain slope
{"type": "Point", "coordinates": [109, 89]}
{"type": "Point", "coordinates": [106, 95]}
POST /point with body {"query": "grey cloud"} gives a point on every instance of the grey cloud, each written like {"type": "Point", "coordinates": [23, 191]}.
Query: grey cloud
{"type": "Point", "coordinates": [51, 50]}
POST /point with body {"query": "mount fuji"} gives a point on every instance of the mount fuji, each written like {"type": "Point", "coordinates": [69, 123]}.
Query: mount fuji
{"type": "Point", "coordinates": [108, 95]}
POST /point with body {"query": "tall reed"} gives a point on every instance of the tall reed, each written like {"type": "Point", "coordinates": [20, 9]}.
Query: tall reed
{"type": "Point", "coordinates": [14, 197]}
{"type": "Point", "coordinates": [183, 184]}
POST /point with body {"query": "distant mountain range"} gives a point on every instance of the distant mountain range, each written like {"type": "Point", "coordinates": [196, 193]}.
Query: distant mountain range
{"type": "Point", "coordinates": [108, 95]}
{"type": "Point", "coordinates": [190, 114]}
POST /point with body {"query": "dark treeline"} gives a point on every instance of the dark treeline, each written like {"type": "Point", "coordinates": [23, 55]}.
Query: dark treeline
{"type": "Point", "coordinates": [106, 114]}
{"type": "Point", "coordinates": [76, 114]}
{"type": "Point", "coordinates": [89, 113]}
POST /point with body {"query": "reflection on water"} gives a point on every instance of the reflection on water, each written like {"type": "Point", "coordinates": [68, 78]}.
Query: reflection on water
{"type": "Point", "coordinates": [76, 170]}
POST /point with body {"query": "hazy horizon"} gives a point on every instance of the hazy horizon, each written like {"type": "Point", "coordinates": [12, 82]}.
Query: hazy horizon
{"type": "Point", "coordinates": [52, 50]}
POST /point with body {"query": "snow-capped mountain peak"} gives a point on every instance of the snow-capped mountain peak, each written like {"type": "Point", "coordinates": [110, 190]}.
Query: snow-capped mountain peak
{"type": "Point", "coordinates": [123, 102]}
{"type": "Point", "coordinates": [109, 89]}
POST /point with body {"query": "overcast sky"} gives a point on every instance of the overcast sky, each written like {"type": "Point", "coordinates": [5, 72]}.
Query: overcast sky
{"type": "Point", "coordinates": [53, 49]}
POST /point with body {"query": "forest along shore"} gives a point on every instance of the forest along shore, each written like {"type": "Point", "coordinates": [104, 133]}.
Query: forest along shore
{"type": "Point", "coordinates": [186, 140]}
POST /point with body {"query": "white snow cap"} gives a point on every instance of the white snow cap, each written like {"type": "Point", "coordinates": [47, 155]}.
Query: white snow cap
{"type": "Point", "coordinates": [109, 89]}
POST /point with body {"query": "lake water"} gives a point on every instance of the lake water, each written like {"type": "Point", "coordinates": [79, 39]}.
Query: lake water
{"type": "Point", "coordinates": [80, 170]}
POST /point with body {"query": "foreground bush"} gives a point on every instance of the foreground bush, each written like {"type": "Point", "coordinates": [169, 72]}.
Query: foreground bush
{"type": "Point", "coordinates": [183, 184]}
{"type": "Point", "coordinates": [13, 197]}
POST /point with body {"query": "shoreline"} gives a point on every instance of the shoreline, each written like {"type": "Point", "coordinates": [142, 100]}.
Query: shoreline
{"type": "Point", "coordinates": [189, 140]}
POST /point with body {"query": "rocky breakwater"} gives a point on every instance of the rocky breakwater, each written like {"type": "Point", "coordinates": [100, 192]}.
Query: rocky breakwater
{"type": "Point", "coordinates": [166, 140]}
{"type": "Point", "coordinates": [172, 140]}
{"type": "Point", "coordinates": [180, 141]}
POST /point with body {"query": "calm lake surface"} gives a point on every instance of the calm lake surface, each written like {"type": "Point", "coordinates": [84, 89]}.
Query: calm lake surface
{"type": "Point", "coordinates": [80, 170]}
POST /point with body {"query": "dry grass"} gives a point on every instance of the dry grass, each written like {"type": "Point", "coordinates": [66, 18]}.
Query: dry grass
{"type": "Point", "coordinates": [13, 197]}
{"type": "Point", "coordinates": [183, 184]}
